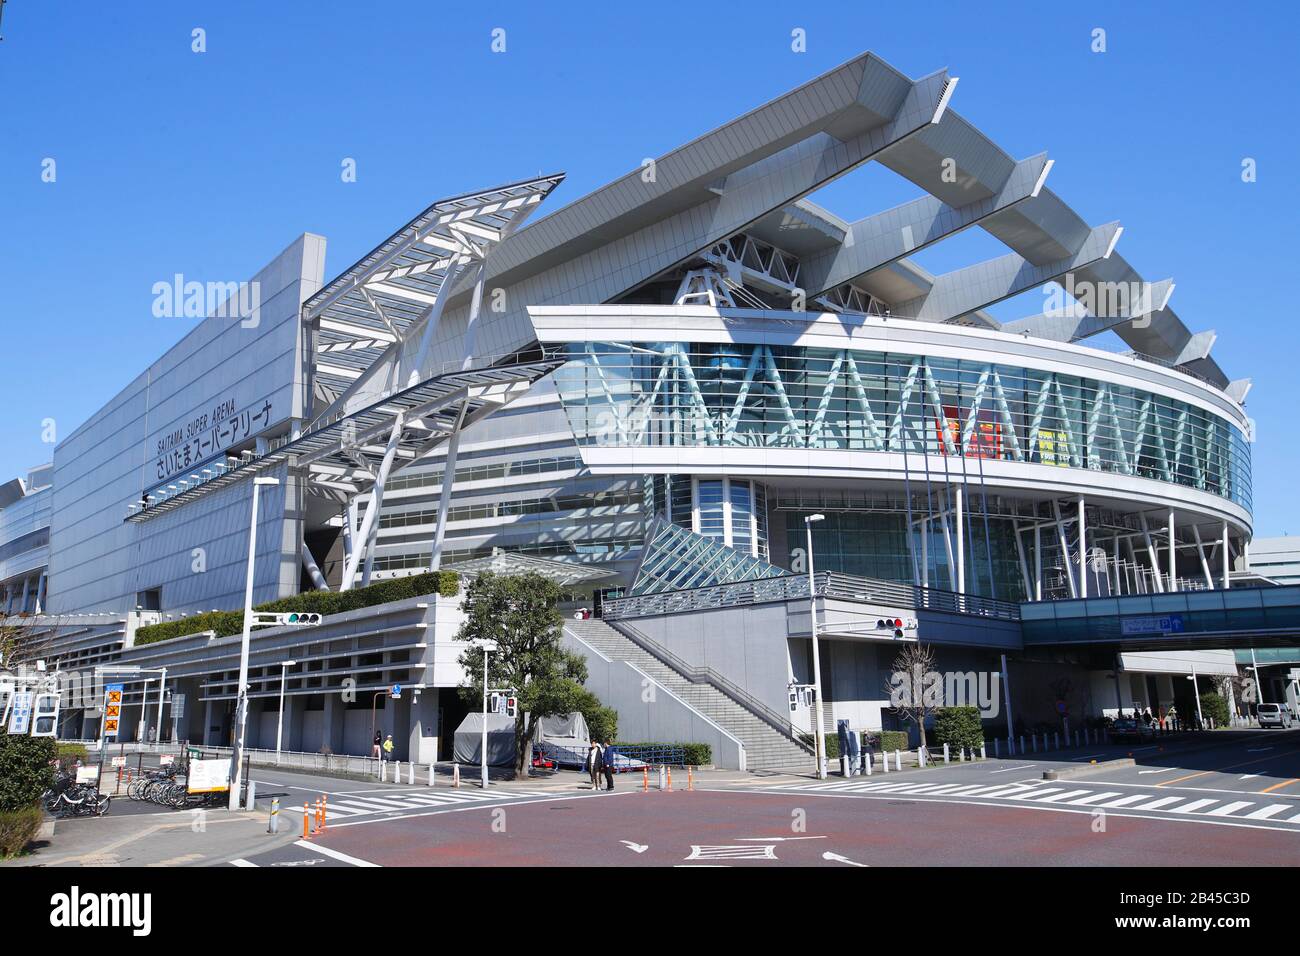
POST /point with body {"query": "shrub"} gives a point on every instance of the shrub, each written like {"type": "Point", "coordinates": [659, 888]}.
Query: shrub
{"type": "Point", "coordinates": [958, 727]}
{"type": "Point", "coordinates": [17, 829]}
{"type": "Point", "coordinates": [67, 753]}
{"type": "Point", "coordinates": [831, 746]}
{"type": "Point", "coordinates": [1215, 707]}
{"type": "Point", "coordinates": [883, 740]}
{"type": "Point", "coordinates": [229, 623]}
{"type": "Point", "coordinates": [26, 770]}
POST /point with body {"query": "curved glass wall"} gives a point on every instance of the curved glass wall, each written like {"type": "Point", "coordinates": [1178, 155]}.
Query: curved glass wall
{"type": "Point", "coordinates": [679, 394]}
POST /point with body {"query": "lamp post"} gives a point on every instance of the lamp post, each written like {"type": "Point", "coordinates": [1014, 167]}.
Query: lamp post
{"type": "Point", "coordinates": [162, 687]}
{"type": "Point", "coordinates": [818, 743]}
{"type": "Point", "coordinates": [279, 723]}
{"type": "Point", "coordinates": [1197, 694]}
{"type": "Point", "coordinates": [488, 647]}
{"type": "Point", "coordinates": [241, 697]}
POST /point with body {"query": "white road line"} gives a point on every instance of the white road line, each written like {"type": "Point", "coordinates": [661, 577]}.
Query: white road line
{"type": "Point", "coordinates": [1195, 806]}
{"type": "Point", "coordinates": [1125, 801]}
{"type": "Point", "coordinates": [1001, 789]}
{"type": "Point", "coordinates": [1040, 793]}
{"type": "Point", "coordinates": [1223, 811]}
{"type": "Point", "coordinates": [1094, 798]}
{"type": "Point", "coordinates": [1009, 769]}
{"type": "Point", "coordinates": [1269, 811]}
{"type": "Point", "coordinates": [1156, 804]}
{"type": "Point", "coordinates": [1065, 796]}
{"type": "Point", "coordinates": [326, 851]}
{"type": "Point", "coordinates": [241, 862]}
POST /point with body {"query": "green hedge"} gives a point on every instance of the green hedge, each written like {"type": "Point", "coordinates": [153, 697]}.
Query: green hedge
{"type": "Point", "coordinates": [697, 755]}
{"type": "Point", "coordinates": [26, 770]}
{"type": "Point", "coordinates": [228, 623]}
{"type": "Point", "coordinates": [67, 753]}
{"type": "Point", "coordinates": [891, 740]}
{"type": "Point", "coordinates": [958, 727]}
{"type": "Point", "coordinates": [17, 829]}
{"type": "Point", "coordinates": [1214, 706]}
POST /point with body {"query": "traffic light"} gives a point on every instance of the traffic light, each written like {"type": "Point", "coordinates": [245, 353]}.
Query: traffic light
{"type": "Point", "coordinates": [287, 619]}
{"type": "Point", "coordinates": [512, 707]}
{"type": "Point", "coordinates": [894, 624]}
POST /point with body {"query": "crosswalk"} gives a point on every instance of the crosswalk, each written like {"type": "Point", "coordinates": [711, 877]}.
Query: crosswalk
{"type": "Point", "coordinates": [1065, 796]}
{"type": "Point", "coordinates": [351, 807]}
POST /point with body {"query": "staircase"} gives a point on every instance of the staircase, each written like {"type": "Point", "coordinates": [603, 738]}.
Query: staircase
{"type": "Point", "coordinates": [766, 747]}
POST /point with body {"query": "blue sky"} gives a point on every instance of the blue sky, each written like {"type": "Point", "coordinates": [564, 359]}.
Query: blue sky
{"type": "Point", "coordinates": [209, 164]}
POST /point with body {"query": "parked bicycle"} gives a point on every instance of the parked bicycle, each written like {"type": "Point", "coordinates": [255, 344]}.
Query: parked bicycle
{"type": "Point", "coordinates": [67, 798]}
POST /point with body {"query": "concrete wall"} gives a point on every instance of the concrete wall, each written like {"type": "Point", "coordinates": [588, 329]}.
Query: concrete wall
{"type": "Point", "coordinates": [661, 718]}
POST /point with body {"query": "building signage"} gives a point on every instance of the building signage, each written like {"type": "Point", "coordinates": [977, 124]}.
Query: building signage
{"type": "Point", "coordinates": [1162, 624]}
{"type": "Point", "coordinates": [20, 717]}
{"type": "Point", "coordinates": [112, 709]}
{"type": "Point", "coordinates": [178, 707]}
{"type": "Point", "coordinates": [207, 435]}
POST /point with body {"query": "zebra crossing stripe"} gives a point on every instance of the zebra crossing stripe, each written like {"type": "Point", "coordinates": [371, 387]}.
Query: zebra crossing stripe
{"type": "Point", "coordinates": [1157, 804]}
{"type": "Point", "coordinates": [1096, 798]}
{"type": "Point", "coordinates": [1269, 811]}
{"type": "Point", "coordinates": [1229, 808]}
{"type": "Point", "coordinates": [1125, 801]}
{"type": "Point", "coordinates": [1194, 806]}
{"type": "Point", "coordinates": [1064, 796]}
{"type": "Point", "coordinates": [1001, 790]}
{"type": "Point", "coordinates": [1040, 792]}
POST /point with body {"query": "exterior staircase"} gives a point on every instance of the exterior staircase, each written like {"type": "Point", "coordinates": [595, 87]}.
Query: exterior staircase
{"type": "Point", "coordinates": [766, 747]}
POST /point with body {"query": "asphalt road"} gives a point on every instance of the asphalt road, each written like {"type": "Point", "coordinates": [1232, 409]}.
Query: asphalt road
{"type": "Point", "coordinates": [1217, 800]}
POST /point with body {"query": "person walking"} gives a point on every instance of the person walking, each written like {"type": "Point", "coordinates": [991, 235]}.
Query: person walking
{"type": "Point", "coordinates": [375, 751]}
{"type": "Point", "coordinates": [388, 748]}
{"type": "Point", "coordinates": [607, 764]}
{"type": "Point", "coordinates": [593, 764]}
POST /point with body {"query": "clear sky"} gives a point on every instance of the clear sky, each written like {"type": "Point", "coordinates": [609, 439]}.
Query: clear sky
{"type": "Point", "coordinates": [208, 164]}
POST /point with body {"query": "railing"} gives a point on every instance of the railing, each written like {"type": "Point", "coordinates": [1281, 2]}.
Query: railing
{"type": "Point", "coordinates": [701, 674]}
{"type": "Point", "coordinates": [793, 586]}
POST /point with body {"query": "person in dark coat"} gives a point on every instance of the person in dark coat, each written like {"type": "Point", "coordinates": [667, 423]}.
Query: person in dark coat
{"type": "Point", "coordinates": [607, 763]}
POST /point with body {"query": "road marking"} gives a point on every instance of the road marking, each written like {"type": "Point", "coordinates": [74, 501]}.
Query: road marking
{"type": "Point", "coordinates": [1234, 766]}
{"type": "Point", "coordinates": [780, 839]}
{"type": "Point", "coordinates": [1009, 769]}
{"type": "Point", "coordinates": [1125, 801]}
{"type": "Point", "coordinates": [715, 852]}
{"type": "Point", "coordinates": [326, 851]}
{"type": "Point", "coordinates": [1065, 796]}
{"type": "Point", "coordinates": [1162, 770]}
{"type": "Point", "coordinates": [1156, 804]}
{"type": "Point", "coordinates": [1248, 776]}
{"type": "Point", "coordinates": [1257, 750]}
{"type": "Point", "coordinates": [998, 791]}
{"type": "Point", "coordinates": [836, 858]}
{"type": "Point", "coordinates": [1194, 806]}
{"type": "Point", "coordinates": [635, 847]}
{"type": "Point", "coordinates": [1279, 786]}
{"type": "Point", "coordinates": [1271, 810]}
{"type": "Point", "coordinates": [241, 862]}
{"type": "Point", "coordinates": [1095, 798]}
{"type": "Point", "coordinates": [1226, 809]}
{"type": "Point", "coordinates": [1039, 793]}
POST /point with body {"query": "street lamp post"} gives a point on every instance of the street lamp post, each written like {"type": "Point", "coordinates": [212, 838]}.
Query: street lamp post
{"type": "Point", "coordinates": [162, 687]}
{"type": "Point", "coordinates": [241, 698]}
{"type": "Point", "coordinates": [818, 743]}
{"type": "Point", "coordinates": [482, 756]}
{"type": "Point", "coordinates": [279, 723]}
{"type": "Point", "coordinates": [1196, 692]}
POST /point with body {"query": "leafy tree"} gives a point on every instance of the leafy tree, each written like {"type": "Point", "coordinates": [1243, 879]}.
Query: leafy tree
{"type": "Point", "coordinates": [519, 614]}
{"type": "Point", "coordinates": [1215, 706]}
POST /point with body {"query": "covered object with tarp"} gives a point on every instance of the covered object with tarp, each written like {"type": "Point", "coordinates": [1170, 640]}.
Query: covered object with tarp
{"type": "Point", "coordinates": [564, 738]}
{"type": "Point", "coordinates": [468, 739]}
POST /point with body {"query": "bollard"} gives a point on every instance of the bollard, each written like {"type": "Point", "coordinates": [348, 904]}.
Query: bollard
{"type": "Point", "coordinates": [305, 831]}
{"type": "Point", "coordinates": [690, 778]}
{"type": "Point", "coordinates": [661, 777]}
{"type": "Point", "coordinates": [1022, 745]}
{"type": "Point", "coordinates": [946, 755]}
{"type": "Point", "coordinates": [670, 779]}
{"type": "Point", "coordinates": [397, 771]}
{"type": "Point", "coordinates": [455, 775]}
{"type": "Point", "coordinates": [997, 747]}
{"type": "Point", "coordinates": [920, 757]}
{"type": "Point", "coordinates": [250, 801]}
{"type": "Point", "coordinates": [1056, 740]}
{"type": "Point", "coordinates": [1033, 739]}
{"type": "Point", "coordinates": [410, 774]}
{"type": "Point", "coordinates": [645, 779]}
{"type": "Point", "coordinates": [431, 773]}
{"type": "Point", "coordinates": [273, 823]}
{"type": "Point", "coordinates": [867, 762]}
{"type": "Point", "coordinates": [324, 810]}
{"type": "Point", "coordinates": [1085, 736]}
{"type": "Point", "coordinates": [984, 753]}
{"type": "Point", "coordinates": [898, 759]}
{"type": "Point", "coordinates": [884, 761]}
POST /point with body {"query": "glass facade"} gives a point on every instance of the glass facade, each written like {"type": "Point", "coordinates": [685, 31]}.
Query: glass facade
{"type": "Point", "coordinates": [678, 394]}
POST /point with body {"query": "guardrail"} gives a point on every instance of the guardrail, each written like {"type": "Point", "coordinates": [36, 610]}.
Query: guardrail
{"type": "Point", "coordinates": [793, 586]}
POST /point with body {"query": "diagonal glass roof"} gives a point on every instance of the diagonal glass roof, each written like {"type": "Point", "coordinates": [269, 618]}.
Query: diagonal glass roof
{"type": "Point", "coordinates": [675, 559]}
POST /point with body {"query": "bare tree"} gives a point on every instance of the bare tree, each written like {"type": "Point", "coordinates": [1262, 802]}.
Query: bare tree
{"type": "Point", "coordinates": [915, 689]}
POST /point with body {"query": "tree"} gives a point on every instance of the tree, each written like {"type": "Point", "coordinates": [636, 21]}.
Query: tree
{"type": "Point", "coordinates": [518, 613]}
{"type": "Point", "coordinates": [915, 689]}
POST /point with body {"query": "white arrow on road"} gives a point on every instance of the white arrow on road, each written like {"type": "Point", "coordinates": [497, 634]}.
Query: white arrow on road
{"type": "Point", "coordinates": [635, 847]}
{"type": "Point", "coordinates": [836, 858]}
{"type": "Point", "coordinates": [1164, 770]}
{"type": "Point", "coordinates": [1248, 776]}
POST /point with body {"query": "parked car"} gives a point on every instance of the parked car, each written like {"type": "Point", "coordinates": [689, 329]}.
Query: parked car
{"type": "Point", "coordinates": [1273, 715]}
{"type": "Point", "coordinates": [1129, 728]}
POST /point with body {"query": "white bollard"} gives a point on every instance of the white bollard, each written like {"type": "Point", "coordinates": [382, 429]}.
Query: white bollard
{"type": "Point", "coordinates": [866, 762]}
{"type": "Point", "coordinates": [1022, 745]}
{"type": "Point", "coordinates": [397, 771]}
{"type": "Point", "coordinates": [1056, 740]}
{"type": "Point", "coordinates": [946, 755]}
{"type": "Point", "coordinates": [884, 761]}
{"type": "Point", "coordinates": [1085, 736]}
{"type": "Point", "coordinates": [251, 796]}
{"type": "Point", "coordinates": [455, 775]}
{"type": "Point", "coordinates": [920, 757]}
{"type": "Point", "coordinates": [410, 774]}
{"type": "Point", "coordinates": [984, 752]}
{"type": "Point", "coordinates": [898, 759]}
{"type": "Point", "coordinates": [431, 773]}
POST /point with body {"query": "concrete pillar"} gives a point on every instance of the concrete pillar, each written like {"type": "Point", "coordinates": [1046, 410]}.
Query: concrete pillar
{"type": "Point", "coordinates": [1227, 560]}
{"type": "Point", "coordinates": [1173, 554]}
{"type": "Point", "coordinates": [424, 730]}
{"type": "Point", "coordinates": [1038, 561]}
{"type": "Point", "coordinates": [961, 543]}
{"type": "Point", "coordinates": [209, 721]}
{"type": "Point", "coordinates": [1083, 549]}
{"type": "Point", "coordinates": [332, 737]}
{"type": "Point", "coordinates": [401, 724]}
{"type": "Point", "coordinates": [295, 709]}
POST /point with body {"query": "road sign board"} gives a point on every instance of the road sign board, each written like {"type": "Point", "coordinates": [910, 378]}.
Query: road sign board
{"type": "Point", "coordinates": [209, 776]}
{"type": "Point", "coordinates": [119, 761]}
{"type": "Point", "coordinates": [178, 706]}
{"type": "Point", "coordinates": [112, 709]}
{"type": "Point", "coordinates": [396, 692]}
{"type": "Point", "coordinates": [1162, 624]}
{"type": "Point", "coordinates": [87, 774]}
{"type": "Point", "coordinates": [20, 716]}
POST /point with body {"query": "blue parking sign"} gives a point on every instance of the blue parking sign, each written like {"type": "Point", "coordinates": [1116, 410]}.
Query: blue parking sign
{"type": "Point", "coordinates": [396, 692]}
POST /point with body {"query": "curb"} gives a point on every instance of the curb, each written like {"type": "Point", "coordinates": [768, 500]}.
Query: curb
{"type": "Point", "coordinates": [1082, 770]}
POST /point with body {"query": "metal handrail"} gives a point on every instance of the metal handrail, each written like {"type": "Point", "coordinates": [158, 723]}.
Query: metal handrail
{"type": "Point", "coordinates": [703, 674]}
{"type": "Point", "coordinates": [792, 586]}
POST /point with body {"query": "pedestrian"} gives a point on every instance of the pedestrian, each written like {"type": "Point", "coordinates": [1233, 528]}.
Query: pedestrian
{"type": "Point", "coordinates": [607, 763]}
{"type": "Point", "coordinates": [593, 764]}
{"type": "Point", "coordinates": [374, 752]}
{"type": "Point", "coordinates": [388, 748]}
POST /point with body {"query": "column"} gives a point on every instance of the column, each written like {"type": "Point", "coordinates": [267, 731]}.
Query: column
{"type": "Point", "coordinates": [1038, 559]}
{"type": "Point", "coordinates": [1173, 554]}
{"type": "Point", "coordinates": [961, 544]}
{"type": "Point", "coordinates": [1227, 561]}
{"type": "Point", "coordinates": [208, 716]}
{"type": "Point", "coordinates": [332, 735]}
{"type": "Point", "coordinates": [424, 730]}
{"type": "Point", "coordinates": [1083, 550]}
